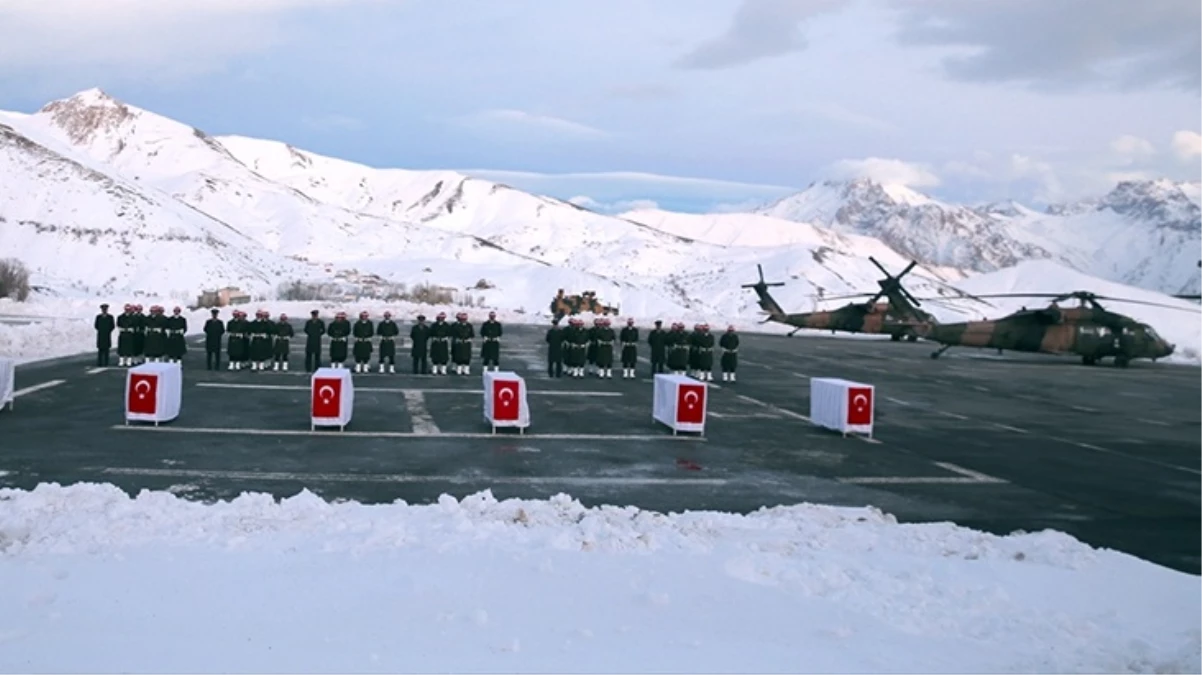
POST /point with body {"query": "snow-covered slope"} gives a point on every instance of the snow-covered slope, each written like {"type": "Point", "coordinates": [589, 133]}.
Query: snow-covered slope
{"type": "Point", "coordinates": [1145, 234]}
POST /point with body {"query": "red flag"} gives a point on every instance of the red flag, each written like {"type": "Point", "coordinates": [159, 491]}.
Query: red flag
{"type": "Point", "coordinates": [859, 405]}
{"type": "Point", "coordinates": [327, 397]}
{"type": "Point", "coordinates": [505, 403]}
{"type": "Point", "coordinates": [143, 394]}
{"type": "Point", "coordinates": [690, 403]}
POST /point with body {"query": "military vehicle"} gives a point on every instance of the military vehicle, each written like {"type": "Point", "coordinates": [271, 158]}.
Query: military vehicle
{"type": "Point", "coordinates": [897, 318]}
{"type": "Point", "coordinates": [584, 303]}
{"type": "Point", "coordinates": [1087, 330]}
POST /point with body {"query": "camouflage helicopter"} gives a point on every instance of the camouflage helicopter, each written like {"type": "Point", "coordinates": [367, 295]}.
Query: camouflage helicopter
{"type": "Point", "coordinates": [897, 318]}
{"type": "Point", "coordinates": [1088, 330]}
{"type": "Point", "coordinates": [585, 303]}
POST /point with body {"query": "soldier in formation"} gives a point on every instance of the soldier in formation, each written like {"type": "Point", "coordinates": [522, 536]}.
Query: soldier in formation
{"type": "Point", "coordinates": [262, 334]}
{"type": "Point", "coordinates": [579, 336]}
{"type": "Point", "coordinates": [388, 330]}
{"type": "Point", "coordinates": [440, 341]}
{"type": "Point", "coordinates": [490, 351]}
{"type": "Point", "coordinates": [657, 341]}
{"type": "Point", "coordinates": [283, 343]}
{"type": "Point", "coordinates": [238, 341]}
{"type": "Point", "coordinates": [138, 322]}
{"type": "Point", "coordinates": [629, 337]}
{"type": "Point", "coordinates": [603, 338]}
{"type": "Point", "coordinates": [704, 342]}
{"type": "Point", "coordinates": [177, 329]}
{"type": "Point", "coordinates": [314, 329]}
{"type": "Point", "coordinates": [363, 331]}
{"type": "Point", "coordinates": [419, 340]}
{"type": "Point", "coordinates": [155, 344]}
{"type": "Point", "coordinates": [125, 336]}
{"type": "Point", "coordinates": [730, 354]}
{"type": "Point", "coordinates": [461, 344]}
{"type": "Point", "coordinates": [339, 331]}
{"type": "Point", "coordinates": [104, 323]}
{"type": "Point", "coordinates": [555, 357]}
{"type": "Point", "coordinates": [214, 329]}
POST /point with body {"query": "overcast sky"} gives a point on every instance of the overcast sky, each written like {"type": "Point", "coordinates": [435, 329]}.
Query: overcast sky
{"type": "Point", "coordinates": [690, 104]}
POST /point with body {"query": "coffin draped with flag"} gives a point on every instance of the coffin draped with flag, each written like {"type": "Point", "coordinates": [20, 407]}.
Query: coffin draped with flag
{"type": "Point", "coordinates": [8, 376]}
{"type": "Point", "coordinates": [505, 400]}
{"type": "Point", "coordinates": [842, 405]}
{"type": "Point", "coordinates": [331, 398]}
{"type": "Point", "coordinates": [680, 402]}
{"type": "Point", "coordinates": [153, 392]}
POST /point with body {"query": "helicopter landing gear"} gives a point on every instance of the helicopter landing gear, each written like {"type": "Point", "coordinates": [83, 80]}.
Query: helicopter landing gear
{"type": "Point", "coordinates": [939, 352]}
{"type": "Point", "coordinates": [1089, 360]}
{"type": "Point", "coordinates": [895, 337]}
{"type": "Point", "coordinates": [911, 338]}
{"type": "Point", "coordinates": [1121, 361]}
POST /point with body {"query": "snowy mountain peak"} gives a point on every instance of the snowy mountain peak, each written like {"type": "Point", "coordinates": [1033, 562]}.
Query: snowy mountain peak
{"type": "Point", "coordinates": [89, 113]}
{"type": "Point", "coordinates": [1163, 202]}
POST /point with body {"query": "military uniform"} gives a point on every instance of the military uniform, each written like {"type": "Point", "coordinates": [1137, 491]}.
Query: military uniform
{"type": "Point", "coordinates": [125, 336]}
{"type": "Point", "coordinates": [238, 342]}
{"type": "Point", "coordinates": [363, 331]}
{"type": "Point", "coordinates": [282, 348]}
{"type": "Point", "coordinates": [656, 339]}
{"type": "Point", "coordinates": [580, 342]}
{"type": "Point", "coordinates": [440, 349]}
{"type": "Point", "coordinates": [419, 342]}
{"type": "Point", "coordinates": [591, 345]}
{"type": "Point", "coordinates": [314, 329]}
{"type": "Point", "coordinates": [262, 334]}
{"type": "Point", "coordinates": [704, 340]}
{"type": "Point", "coordinates": [339, 331]}
{"type": "Point", "coordinates": [605, 337]}
{"type": "Point", "coordinates": [490, 351]}
{"type": "Point", "coordinates": [388, 330]}
{"type": "Point", "coordinates": [177, 329]}
{"type": "Point", "coordinates": [554, 340]}
{"type": "Point", "coordinates": [629, 338]}
{"type": "Point", "coordinates": [104, 324]}
{"type": "Point", "coordinates": [677, 345]}
{"type": "Point", "coordinates": [461, 344]}
{"type": "Point", "coordinates": [214, 329]}
{"type": "Point", "coordinates": [155, 344]}
{"type": "Point", "coordinates": [730, 354]}
{"type": "Point", "coordinates": [692, 339]}
{"type": "Point", "coordinates": [138, 322]}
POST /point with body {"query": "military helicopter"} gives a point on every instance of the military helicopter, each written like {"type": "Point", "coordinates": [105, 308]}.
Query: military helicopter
{"type": "Point", "coordinates": [1088, 330]}
{"type": "Point", "coordinates": [897, 318]}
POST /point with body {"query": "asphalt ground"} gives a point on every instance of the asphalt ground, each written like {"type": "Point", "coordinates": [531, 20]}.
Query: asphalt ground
{"type": "Point", "coordinates": [999, 443]}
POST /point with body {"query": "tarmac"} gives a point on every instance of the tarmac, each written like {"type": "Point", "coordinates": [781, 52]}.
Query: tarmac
{"type": "Point", "coordinates": [995, 442]}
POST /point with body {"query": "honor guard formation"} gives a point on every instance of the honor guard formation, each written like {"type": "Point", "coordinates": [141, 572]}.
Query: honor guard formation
{"type": "Point", "coordinates": [254, 345]}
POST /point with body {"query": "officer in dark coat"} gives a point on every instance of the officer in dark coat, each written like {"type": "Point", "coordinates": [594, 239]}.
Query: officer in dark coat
{"type": "Point", "coordinates": [554, 342]}
{"type": "Point", "coordinates": [104, 325]}
{"type": "Point", "coordinates": [705, 353]}
{"type": "Point", "coordinates": [730, 354]}
{"type": "Point", "coordinates": [177, 329]}
{"type": "Point", "coordinates": [388, 330]}
{"type": "Point", "coordinates": [262, 337]}
{"type": "Point", "coordinates": [656, 339]}
{"type": "Point", "coordinates": [363, 331]}
{"type": "Point", "coordinates": [440, 343]}
{"type": "Point", "coordinates": [419, 343]}
{"type": "Point", "coordinates": [629, 337]}
{"type": "Point", "coordinates": [125, 336]}
{"type": "Point", "coordinates": [605, 337]}
{"type": "Point", "coordinates": [314, 329]}
{"type": "Point", "coordinates": [462, 333]}
{"type": "Point", "coordinates": [155, 345]}
{"type": "Point", "coordinates": [677, 344]}
{"type": "Point", "coordinates": [238, 340]}
{"type": "Point", "coordinates": [490, 351]}
{"type": "Point", "coordinates": [282, 348]}
{"type": "Point", "coordinates": [339, 331]}
{"type": "Point", "coordinates": [214, 329]}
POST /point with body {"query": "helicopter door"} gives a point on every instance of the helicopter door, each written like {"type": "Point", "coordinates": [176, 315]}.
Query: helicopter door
{"type": "Point", "coordinates": [1096, 340]}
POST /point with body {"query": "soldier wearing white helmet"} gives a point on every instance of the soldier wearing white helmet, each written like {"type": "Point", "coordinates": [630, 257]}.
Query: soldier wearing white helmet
{"type": "Point", "coordinates": [605, 338]}
{"type": "Point", "coordinates": [125, 336]}
{"type": "Point", "coordinates": [730, 354]}
{"type": "Point", "coordinates": [155, 345]}
{"type": "Point", "coordinates": [262, 335]}
{"type": "Point", "coordinates": [339, 331]}
{"type": "Point", "coordinates": [363, 331]}
{"type": "Point", "coordinates": [388, 330]}
{"type": "Point", "coordinates": [440, 344]}
{"type": "Point", "coordinates": [238, 341]}
{"type": "Point", "coordinates": [629, 337]}
{"type": "Point", "coordinates": [490, 351]}
{"type": "Point", "coordinates": [705, 352]}
{"type": "Point", "coordinates": [177, 328]}
{"type": "Point", "coordinates": [577, 337]}
{"type": "Point", "coordinates": [462, 333]}
{"type": "Point", "coordinates": [677, 343]}
{"type": "Point", "coordinates": [283, 343]}
{"type": "Point", "coordinates": [138, 323]}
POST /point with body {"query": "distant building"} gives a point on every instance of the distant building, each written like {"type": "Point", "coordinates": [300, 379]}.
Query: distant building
{"type": "Point", "coordinates": [223, 297]}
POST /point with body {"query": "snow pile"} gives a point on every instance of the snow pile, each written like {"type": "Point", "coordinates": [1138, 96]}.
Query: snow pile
{"type": "Point", "coordinates": [95, 580]}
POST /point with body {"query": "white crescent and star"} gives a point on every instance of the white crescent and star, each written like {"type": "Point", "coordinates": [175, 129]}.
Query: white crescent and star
{"type": "Point", "coordinates": [138, 388]}
{"type": "Point", "coordinates": [506, 400]}
{"type": "Point", "coordinates": [689, 403]}
{"type": "Point", "coordinates": [859, 400]}
{"type": "Point", "coordinates": [326, 398]}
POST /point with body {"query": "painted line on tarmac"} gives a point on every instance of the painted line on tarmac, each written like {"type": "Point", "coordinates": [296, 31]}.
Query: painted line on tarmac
{"type": "Point", "coordinates": [423, 422]}
{"type": "Point", "coordinates": [412, 478]}
{"type": "Point", "coordinates": [406, 434]}
{"type": "Point", "coordinates": [966, 477]}
{"type": "Point", "coordinates": [797, 415]}
{"type": "Point", "coordinates": [1159, 423]}
{"type": "Point", "coordinates": [1007, 427]}
{"type": "Point", "coordinates": [37, 387]}
{"type": "Point", "coordinates": [1137, 458]}
{"type": "Point", "coordinates": [98, 369]}
{"type": "Point", "coordinates": [402, 390]}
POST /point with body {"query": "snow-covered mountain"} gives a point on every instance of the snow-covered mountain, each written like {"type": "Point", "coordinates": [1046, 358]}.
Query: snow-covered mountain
{"type": "Point", "coordinates": [302, 215]}
{"type": "Point", "coordinates": [1143, 233]}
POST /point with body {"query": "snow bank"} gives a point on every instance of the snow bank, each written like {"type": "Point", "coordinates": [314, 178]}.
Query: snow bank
{"type": "Point", "coordinates": [94, 580]}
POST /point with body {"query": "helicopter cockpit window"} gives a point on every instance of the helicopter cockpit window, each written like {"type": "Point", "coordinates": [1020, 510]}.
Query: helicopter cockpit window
{"type": "Point", "coordinates": [1151, 332]}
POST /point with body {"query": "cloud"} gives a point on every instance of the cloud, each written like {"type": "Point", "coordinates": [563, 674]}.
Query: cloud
{"type": "Point", "coordinates": [502, 119]}
{"type": "Point", "coordinates": [1187, 144]}
{"type": "Point", "coordinates": [1132, 149]}
{"type": "Point", "coordinates": [646, 91]}
{"type": "Point", "coordinates": [152, 38]}
{"type": "Point", "coordinates": [885, 171]}
{"type": "Point", "coordinates": [839, 114]}
{"type": "Point", "coordinates": [332, 122]}
{"type": "Point", "coordinates": [1062, 44]}
{"type": "Point", "coordinates": [760, 29]}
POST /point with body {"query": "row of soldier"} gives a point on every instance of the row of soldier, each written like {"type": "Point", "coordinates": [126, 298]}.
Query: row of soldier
{"type": "Point", "coordinates": [256, 344]}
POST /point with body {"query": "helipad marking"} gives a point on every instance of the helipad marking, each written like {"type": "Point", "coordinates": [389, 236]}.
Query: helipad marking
{"type": "Point", "coordinates": [966, 477]}
{"type": "Point", "coordinates": [402, 390]}
{"type": "Point", "coordinates": [410, 478]}
{"type": "Point", "coordinates": [423, 423]}
{"type": "Point", "coordinates": [37, 387]}
{"type": "Point", "coordinates": [1137, 458]}
{"type": "Point", "coordinates": [403, 434]}
{"type": "Point", "coordinates": [797, 415]}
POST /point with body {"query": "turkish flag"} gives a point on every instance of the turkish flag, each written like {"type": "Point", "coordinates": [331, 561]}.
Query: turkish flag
{"type": "Point", "coordinates": [859, 405]}
{"type": "Point", "coordinates": [327, 397]}
{"type": "Point", "coordinates": [143, 394]}
{"type": "Point", "coordinates": [505, 402]}
{"type": "Point", "coordinates": [690, 403]}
